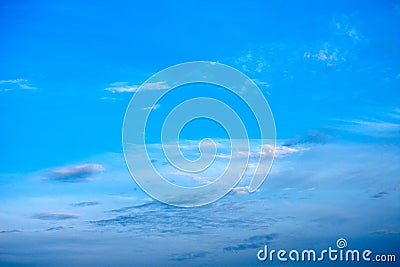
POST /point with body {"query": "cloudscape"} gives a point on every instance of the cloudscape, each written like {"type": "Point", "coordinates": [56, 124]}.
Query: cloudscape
{"type": "Point", "coordinates": [330, 71]}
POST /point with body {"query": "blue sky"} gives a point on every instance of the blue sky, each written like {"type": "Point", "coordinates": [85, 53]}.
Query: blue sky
{"type": "Point", "coordinates": [330, 71]}
{"type": "Point", "coordinates": [334, 61]}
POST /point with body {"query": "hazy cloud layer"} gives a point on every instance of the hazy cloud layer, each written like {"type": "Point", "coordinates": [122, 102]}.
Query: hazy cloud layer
{"type": "Point", "coordinates": [357, 194]}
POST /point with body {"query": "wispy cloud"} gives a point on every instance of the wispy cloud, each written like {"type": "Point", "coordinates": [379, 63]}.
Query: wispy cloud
{"type": "Point", "coordinates": [377, 128]}
{"type": "Point", "coordinates": [252, 242]}
{"type": "Point", "coordinates": [189, 256]}
{"type": "Point", "coordinates": [261, 83]}
{"type": "Point", "coordinates": [344, 25]}
{"type": "Point", "coordinates": [156, 106]}
{"type": "Point", "coordinates": [16, 84]}
{"type": "Point", "coordinates": [125, 87]}
{"type": "Point", "coordinates": [395, 113]}
{"type": "Point", "coordinates": [253, 61]}
{"type": "Point", "coordinates": [106, 98]}
{"type": "Point", "coordinates": [268, 61]}
{"type": "Point", "coordinates": [74, 174]}
{"type": "Point", "coordinates": [281, 151]}
{"type": "Point", "coordinates": [57, 228]}
{"type": "Point", "coordinates": [380, 194]}
{"type": "Point", "coordinates": [85, 204]}
{"type": "Point", "coordinates": [312, 137]}
{"type": "Point", "coordinates": [340, 45]}
{"type": "Point", "coordinates": [55, 216]}
{"type": "Point", "coordinates": [269, 150]}
{"type": "Point", "coordinates": [327, 54]}
{"type": "Point", "coordinates": [9, 231]}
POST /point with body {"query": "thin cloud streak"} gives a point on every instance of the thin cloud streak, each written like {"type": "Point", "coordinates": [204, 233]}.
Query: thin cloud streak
{"type": "Point", "coordinates": [124, 87]}
{"type": "Point", "coordinates": [15, 84]}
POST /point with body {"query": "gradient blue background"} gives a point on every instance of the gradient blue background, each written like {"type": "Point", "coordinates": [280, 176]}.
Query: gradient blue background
{"type": "Point", "coordinates": [330, 71]}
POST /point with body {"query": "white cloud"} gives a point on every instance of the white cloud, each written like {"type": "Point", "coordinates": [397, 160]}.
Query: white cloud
{"type": "Point", "coordinates": [241, 190]}
{"type": "Point", "coordinates": [124, 87]}
{"type": "Point", "coordinates": [280, 151]}
{"type": "Point", "coordinates": [268, 151]}
{"type": "Point", "coordinates": [337, 49]}
{"type": "Point", "coordinates": [154, 107]}
{"type": "Point", "coordinates": [13, 81]}
{"type": "Point", "coordinates": [261, 83]}
{"type": "Point", "coordinates": [10, 85]}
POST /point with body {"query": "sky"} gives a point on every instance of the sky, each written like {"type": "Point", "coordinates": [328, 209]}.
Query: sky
{"type": "Point", "coordinates": [330, 71]}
